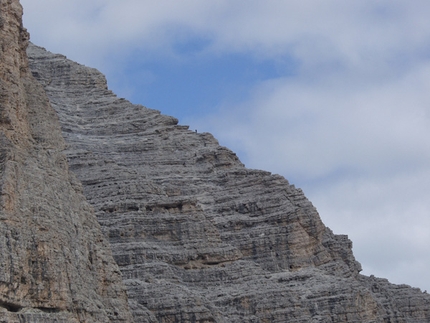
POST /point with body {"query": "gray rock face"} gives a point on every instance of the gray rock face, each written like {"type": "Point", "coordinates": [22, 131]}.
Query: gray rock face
{"type": "Point", "coordinates": [197, 236]}
{"type": "Point", "coordinates": [55, 264]}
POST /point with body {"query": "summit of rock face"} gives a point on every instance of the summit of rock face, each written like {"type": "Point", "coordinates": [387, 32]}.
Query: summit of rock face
{"type": "Point", "coordinates": [197, 236]}
{"type": "Point", "coordinates": [55, 263]}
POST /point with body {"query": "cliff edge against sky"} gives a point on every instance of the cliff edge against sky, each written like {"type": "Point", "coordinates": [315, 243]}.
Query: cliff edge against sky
{"type": "Point", "coordinates": [197, 236]}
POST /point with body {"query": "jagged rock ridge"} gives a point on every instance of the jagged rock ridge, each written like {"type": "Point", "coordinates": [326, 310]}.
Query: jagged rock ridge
{"type": "Point", "coordinates": [55, 264]}
{"type": "Point", "coordinates": [199, 237]}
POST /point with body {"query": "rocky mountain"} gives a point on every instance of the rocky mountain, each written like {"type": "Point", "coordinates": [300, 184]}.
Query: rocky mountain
{"type": "Point", "coordinates": [199, 237]}
{"type": "Point", "coordinates": [196, 235]}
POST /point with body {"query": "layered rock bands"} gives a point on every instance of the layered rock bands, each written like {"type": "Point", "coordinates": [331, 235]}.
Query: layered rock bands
{"type": "Point", "coordinates": [112, 212]}
{"type": "Point", "coordinates": [197, 236]}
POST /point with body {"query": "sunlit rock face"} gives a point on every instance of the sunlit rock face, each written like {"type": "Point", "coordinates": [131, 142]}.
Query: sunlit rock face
{"type": "Point", "coordinates": [55, 263]}
{"type": "Point", "coordinates": [197, 236]}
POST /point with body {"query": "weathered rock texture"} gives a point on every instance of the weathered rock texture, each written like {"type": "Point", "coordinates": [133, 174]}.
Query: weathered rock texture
{"type": "Point", "coordinates": [55, 264]}
{"type": "Point", "coordinates": [199, 237]}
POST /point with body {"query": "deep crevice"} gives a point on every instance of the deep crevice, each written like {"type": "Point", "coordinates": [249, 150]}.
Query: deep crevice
{"type": "Point", "coordinates": [10, 307]}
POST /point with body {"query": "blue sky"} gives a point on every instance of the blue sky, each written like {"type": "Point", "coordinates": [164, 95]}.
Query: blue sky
{"type": "Point", "coordinates": [331, 94]}
{"type": "Point", "coordinates": [195, 84]}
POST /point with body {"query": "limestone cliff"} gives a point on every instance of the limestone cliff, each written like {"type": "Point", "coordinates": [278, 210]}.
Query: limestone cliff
{"type": "Point", "coordinates": [55, 264]}
{"type": "Point", "coordinates": [199, 237]}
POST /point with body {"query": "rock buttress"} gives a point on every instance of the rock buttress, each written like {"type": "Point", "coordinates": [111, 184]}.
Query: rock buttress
{"type": "Point", "coordinates": [55, 264]}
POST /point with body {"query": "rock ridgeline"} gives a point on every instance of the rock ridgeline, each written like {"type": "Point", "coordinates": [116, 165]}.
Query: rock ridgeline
{"type": "Point", "coordinates": [55, 263]}
{"type": "Point", "coordinates": [196, 235]}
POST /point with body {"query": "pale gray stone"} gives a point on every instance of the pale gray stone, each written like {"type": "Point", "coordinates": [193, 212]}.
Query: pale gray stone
{"type": "Point", "coordinates": [198, 237]}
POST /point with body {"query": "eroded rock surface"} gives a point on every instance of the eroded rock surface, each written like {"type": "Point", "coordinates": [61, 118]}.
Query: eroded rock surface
{"type": "Point", "coordinates": [55, 263]}
{"type": "Point", "coordinates": [199, 237]}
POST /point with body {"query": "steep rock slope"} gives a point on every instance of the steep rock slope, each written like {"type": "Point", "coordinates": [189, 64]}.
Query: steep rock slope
{"type": "Point", "coordinates": [199, 237]}
{"type": "Point", "coordinates": [55, 264]}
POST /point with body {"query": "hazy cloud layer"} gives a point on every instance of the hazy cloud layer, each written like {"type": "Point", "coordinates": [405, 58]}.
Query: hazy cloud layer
{"type": "Point", "coordinates": [346, 116]}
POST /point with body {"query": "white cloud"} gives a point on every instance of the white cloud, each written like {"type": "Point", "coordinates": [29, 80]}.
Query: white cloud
{"type": "Point", "coordinates": [314, 31]}
{"type": "Point", "coordinates": [387, 219]}
{"type": "Point", "coordinates": [352, 123]}
{"type": "Point", "coordinates": [326, 126]}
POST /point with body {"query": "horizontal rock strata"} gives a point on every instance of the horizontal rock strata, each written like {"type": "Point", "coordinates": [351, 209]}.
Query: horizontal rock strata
{"type": "Point", "coordinates": [55, 263]}
{"type": "Point", "coordinates": [199, 237]}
